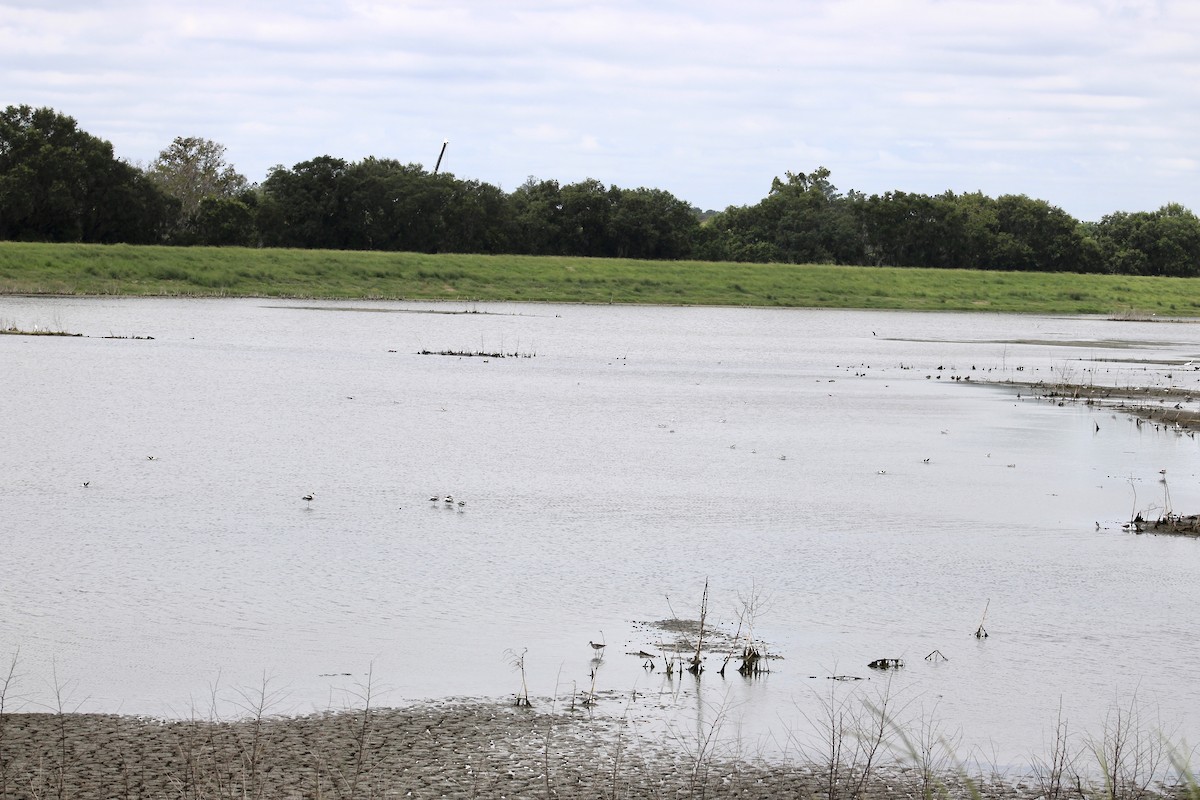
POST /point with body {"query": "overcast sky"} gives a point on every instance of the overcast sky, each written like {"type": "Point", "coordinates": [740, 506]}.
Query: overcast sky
{"type": "Point", "coordinates": [1092, 105]}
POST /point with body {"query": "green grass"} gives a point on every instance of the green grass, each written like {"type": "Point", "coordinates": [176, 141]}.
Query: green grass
{"type": "Point", "coordinates": [27, 268]}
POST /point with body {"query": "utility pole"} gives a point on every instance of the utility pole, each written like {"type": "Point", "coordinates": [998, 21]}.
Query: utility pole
{"type": "Point", "coordinates": [439, 161]}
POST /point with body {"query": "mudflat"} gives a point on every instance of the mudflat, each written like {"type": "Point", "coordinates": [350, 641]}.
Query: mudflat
{"type": "Point", "coordinates": [448, 749]}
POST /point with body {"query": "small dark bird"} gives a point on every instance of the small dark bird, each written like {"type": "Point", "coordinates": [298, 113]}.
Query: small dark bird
{"type": "Point", "coordinates": [307, 497]}
{"type": "Point", "coordinates": [149, 458]}
{"type": "Point", "coordinates": [85, 484]}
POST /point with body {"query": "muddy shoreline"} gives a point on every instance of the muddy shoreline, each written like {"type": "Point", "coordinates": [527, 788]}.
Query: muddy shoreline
{"type": "Point", "coordinates": [1165, 406]}
{"type": "Point", "coordinates": [440, 750]}
{"type": "Point", "coordinates": [453, 749]}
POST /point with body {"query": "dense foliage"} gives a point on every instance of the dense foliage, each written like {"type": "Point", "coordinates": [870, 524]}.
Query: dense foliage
{"type": "Point", "coordinates": [60, 184]}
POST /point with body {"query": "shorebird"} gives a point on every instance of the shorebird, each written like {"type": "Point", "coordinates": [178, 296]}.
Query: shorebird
{"type": "Point", "coordinates": [597, 647]}
{"type": "Point", "coordinates": [307, 497]}
{"type": "Point", "coordinates": [449, 499]}
{"type": "Point", "coordinates": [149, 458]}
{"type": "Point", "coordinates": [85, 484]}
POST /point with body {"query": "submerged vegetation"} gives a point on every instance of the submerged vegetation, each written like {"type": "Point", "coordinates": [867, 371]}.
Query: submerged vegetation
{"type": "Point", "coordinates": [81, 269]}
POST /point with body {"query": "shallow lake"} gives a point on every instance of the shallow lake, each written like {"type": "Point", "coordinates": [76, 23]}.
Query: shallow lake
{"type": "Point", "coordinates": [831, 465]}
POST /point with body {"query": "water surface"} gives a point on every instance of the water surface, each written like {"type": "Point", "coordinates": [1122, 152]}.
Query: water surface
{"type": "Point", "coordinates": [824, 461]}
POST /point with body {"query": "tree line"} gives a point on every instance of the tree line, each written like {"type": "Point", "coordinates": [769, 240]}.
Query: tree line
{"type": "Point", "coordinates": [60, 184]}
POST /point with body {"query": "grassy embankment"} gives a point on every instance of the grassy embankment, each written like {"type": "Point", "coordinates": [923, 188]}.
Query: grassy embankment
{"type": "Point", "coordinates": [227, 272]}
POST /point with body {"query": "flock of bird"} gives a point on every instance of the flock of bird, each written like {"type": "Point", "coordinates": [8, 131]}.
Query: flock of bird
{"type": "Point", "coordinates": [308, 498]}
{"type": "Point", "coordinates": [448, 499]}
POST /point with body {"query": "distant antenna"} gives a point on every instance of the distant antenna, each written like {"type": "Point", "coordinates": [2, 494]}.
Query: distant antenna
{"type": "Point", "coordinates": [439, 161]}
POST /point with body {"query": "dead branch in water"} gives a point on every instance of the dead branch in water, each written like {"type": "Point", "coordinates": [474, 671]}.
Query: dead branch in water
{"type": "Point", "coordinates": [981, 632]}
{"type": "Point", "coordinates": [696, 668]}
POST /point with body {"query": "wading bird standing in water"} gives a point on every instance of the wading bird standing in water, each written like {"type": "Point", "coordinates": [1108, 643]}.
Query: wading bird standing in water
{"type": "Point", "coordinates": [599, 648]}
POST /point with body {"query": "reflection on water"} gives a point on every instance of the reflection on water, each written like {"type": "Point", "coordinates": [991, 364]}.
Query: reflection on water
{"type": "Point", "coordinates": [824, 460]}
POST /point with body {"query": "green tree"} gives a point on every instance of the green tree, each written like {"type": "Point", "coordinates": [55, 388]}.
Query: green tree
{"type": "Point", "coordinates": [61, 184]}
{"type": "Point", "coordinates": [1162, 242]}
{"type": "Point", "coordinates": [651, 223]}
{"type": "Point", "coordinates": [303, 206]}
{"type": "Point", "coordinates": [479, 219]}
{"type": "Point", "coordinates": [538, 218]}
{"type": "Point", "coordinates": [392, 206]}
{"type": "Point", "coordinates": [802, 219]}
{"type": "Point", "coordinates": [223, 221]}
{"type": "Point", "coordinates": [586, 216]}
{"type": "Point", "coordinates": [191, 170]}
{"type": "Point", "coordinates": [126, 206]}
{"type": "Point", "coordinates": [1034, 235]}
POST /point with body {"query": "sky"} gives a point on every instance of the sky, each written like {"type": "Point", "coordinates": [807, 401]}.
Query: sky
{"type": "Point", "coordinates": [1091, 105]}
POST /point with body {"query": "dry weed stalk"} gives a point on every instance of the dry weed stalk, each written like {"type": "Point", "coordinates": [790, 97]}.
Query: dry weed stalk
{"type": "Point", "coordinates": [517, 662]}
{"type": "Point", "coordinates": [1056, 773]}
{"type": "Point", "coordinates": [931, 754]}
{"type": "Point", "coordinates": [697, 666]}
{"type": "Point", "coordinates": [258, 703]}
{"type": "Point", "coordinates": [854, 737]}
{"type": "Point", "coordinates": [5, 699]}
{"type": "Point", "coordinates": [1132, 759]}
{"type": "Point", "coordinates": [753, 659]}
{"type": "Point", "coordinates": [700, 749]}
{"type": "Point", "coordinates": [361, 736]}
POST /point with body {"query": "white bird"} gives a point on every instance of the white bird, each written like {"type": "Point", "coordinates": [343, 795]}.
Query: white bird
{"type": "Point", "coordinates": [307, 497]}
